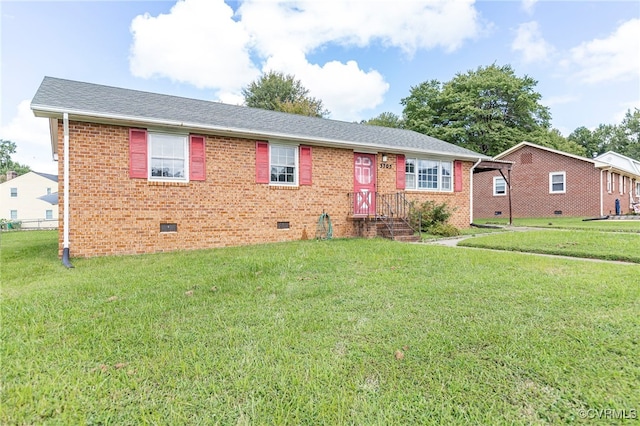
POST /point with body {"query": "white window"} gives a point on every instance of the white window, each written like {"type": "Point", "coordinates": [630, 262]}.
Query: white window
{"type": "Point", "coordinates": [14, 192]}
{"type": "Point", "coordinates": [430, 175]}
{"type": "Point", "coordinates": [499, 186]}
{"type": "Point", "coordinates": [557, 182]}
{"type": "Point", "coordinates": [48, 214]}
{"type": "Point", "coordinates": [48, 191]}
{"type": "Point", "coordinates": [168, 159]}
{"type": "Point", "coordinates": [637, 189]}
{"type": "Point", "coordinates": [14, 214]}
{"type": "Point", "coordinates": [283, 163]}
{"type": "Point", "coordinates": [609, 182]}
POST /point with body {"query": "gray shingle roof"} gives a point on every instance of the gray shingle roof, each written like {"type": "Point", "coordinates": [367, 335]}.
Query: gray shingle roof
{"type": "Point", "coordinates": [59, 95]}
{"type": "Point", "coordinates": [48, 176]}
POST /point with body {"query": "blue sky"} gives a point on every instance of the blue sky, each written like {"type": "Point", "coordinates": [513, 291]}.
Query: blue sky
{"type": "Point", "coordinates": [360, 57]}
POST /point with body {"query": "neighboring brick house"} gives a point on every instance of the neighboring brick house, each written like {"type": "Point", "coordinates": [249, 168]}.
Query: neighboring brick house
{"type": "Point", "coordinates": [150, 172]}
{"type": "Point", "coordinates": [546, 182]}
{"type": "Point", "coordinates": [30, 199]}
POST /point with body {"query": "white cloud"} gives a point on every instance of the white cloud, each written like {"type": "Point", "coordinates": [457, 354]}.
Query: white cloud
{"type": "Point", "coordinates": [31, 136]}
{"type": "Point", "coordinates": [531, 44]}
{"type": "Point", "coordinates": [203, 43]}
{"type": "Point", "coordinates": [528, 5]}
{"type": "Point", "coordinates": [616, 57]}
{"type": "Point", "coordinates": [198, 42]}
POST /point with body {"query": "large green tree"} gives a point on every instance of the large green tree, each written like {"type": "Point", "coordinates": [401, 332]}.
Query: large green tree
{"type": "Point", "coordinates": [487, 110]}
{"type": "Point", "coordinates": [623, 138]}
{"type": "Point", "coordinates": [7, 148]}
{"type": "Point", "coordinates": [279, 92]}
{"type": "Point", "coordinates": [386, 119]}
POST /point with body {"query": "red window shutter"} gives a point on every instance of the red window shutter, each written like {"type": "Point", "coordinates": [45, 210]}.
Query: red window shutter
{"type": "Point", "coordinates": [305, 165]}
{"type": "Point", "coordinates": [457, 176]}
{"type": "Point", "coordinates": [400, 172]}
{"type": "Point", "coordinates": [138, 153]}
{"type": "Point", "coordinates": [262, 162]}
{"type": "Point", "coordinates": [197, 169]}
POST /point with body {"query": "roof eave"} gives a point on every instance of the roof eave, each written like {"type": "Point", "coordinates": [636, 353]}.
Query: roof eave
{"type": "Point", "coordinates": [56, 113]}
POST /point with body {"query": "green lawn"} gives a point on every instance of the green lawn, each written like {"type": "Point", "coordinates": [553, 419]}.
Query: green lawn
{"type": "Point", "coordinates": [309, 332]}
{"type": "Point", "coordinates": [625, 225]}
{"type": "Point", "coordinates": [575, 243]}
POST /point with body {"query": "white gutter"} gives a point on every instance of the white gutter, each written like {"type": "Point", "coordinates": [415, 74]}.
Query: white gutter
{"type": "Point", "coordinates": [65, 213]}
{"type": "Point", "coordinates": [238, 132]}
{"type": "Point", "coordinates": [601, 195]}
{"type": "Point", "coordinates": [471, 189]}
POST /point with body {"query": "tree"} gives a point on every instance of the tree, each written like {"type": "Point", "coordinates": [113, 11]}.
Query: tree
{"type": "Point", "coordinates": [385, 119]}
{"type": "Point", "coordinates": [6, 163]}
{"type": "Point", "coordinates": [623, 138]}
{"type": "Point", "coordinates": [487, 110]}
{"type": "Point", "coordinates": [279, 92]}
{"type": "Point", "coordinates": [553, 139]}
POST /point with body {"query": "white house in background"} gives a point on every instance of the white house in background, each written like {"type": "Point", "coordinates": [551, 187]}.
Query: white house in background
{"type": "Point", "coordinates": [629, 167]}
{"type": "Point", "coordinates": [31, 199]}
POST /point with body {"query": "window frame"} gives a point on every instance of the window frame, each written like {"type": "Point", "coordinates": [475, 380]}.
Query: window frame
{"type": "Point", "coordinates": [415, 176]}
{"type": "Point", "coordinates": [13, 192]}
{"type": "Point", "coordinates": [13, 214]}
{"type": "Point", "coordinates": [495, 181]}
{"type": "Point", "coordinates": [564, 182]}
{"type": "Point", "coordinates": [637, 189]}
{"type": "Point", "coordinates": [296, 163]}
{"type": "Point", "coordinates": [184, 138]}
{"type": "Point", "coordinates": [48, 214]}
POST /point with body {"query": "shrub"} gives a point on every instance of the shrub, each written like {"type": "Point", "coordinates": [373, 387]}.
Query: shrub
{"type": "Point", "coordinates": [428, 214]}
{"type": "Point", "coordinates": [443, 229]}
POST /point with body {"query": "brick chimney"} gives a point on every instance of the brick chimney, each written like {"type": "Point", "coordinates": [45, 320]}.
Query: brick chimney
{"type": "Point", "coordinates": [11, 175]}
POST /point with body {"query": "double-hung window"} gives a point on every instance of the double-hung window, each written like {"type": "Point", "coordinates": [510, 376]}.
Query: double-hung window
{"type": "Point", "coordinates": [168, 158]}
{"type": "Point", "coordinates": [283, 164]}
{"type": "Point", "coordinates": [557, 182]}
{"type": "Point", "coordinates": [14, 192]}
{"type": "Point", "coordinates": [637, 189]}
{"type": "Point", "coordinates": [428, 174]}
{"type": "Point", "coordinates": [48, 214]}
{"type": "Point", "coordinates": [13, 214]}
{"type": "Point", "coordinates": [499, 186]}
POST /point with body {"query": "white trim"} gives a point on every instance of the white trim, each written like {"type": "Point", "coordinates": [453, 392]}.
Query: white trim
{"type": "Point", "coordinates": [439, 176]}
{"type": "Point", "coordinates": [495, 179]}
{"type": "Point", "coordinates": [564, 182]}
{"type": "Point", "coordinates": [544, 148]}
{"type": "Point", "coordinates": [296, 172]}
{"type": "Point", "coordinates": [65, 175]}
{"type": "Point", "coordinates": [185, 144]}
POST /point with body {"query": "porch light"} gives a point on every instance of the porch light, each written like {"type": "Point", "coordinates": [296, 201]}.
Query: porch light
{"type": "Point", "coordinates": [384, 158]}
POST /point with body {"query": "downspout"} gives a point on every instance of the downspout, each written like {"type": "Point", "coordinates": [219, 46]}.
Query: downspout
{"type": "Point", "coordinates": [471, 189]}
{"type": "Point", "coordinates": [65, 215]}
{"type": "Point", "coordinates": [601, 195]}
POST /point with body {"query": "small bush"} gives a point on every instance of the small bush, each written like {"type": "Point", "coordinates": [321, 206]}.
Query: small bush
{"type": "Point", "coordinates": [428, 215]}
{"type": "Point", "coordinates": [443, 229]}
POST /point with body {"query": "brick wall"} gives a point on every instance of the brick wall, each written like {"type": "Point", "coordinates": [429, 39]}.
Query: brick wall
{"type": "Point", "coordinates": [113, 214]}
{"type": "Point", "coordinates": [530, 187]}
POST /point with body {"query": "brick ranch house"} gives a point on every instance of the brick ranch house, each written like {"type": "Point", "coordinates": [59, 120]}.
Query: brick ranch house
{"type": "Point", "coordinates": [546, 182]}
{"type": "Point", "coordinates": [147, 172]}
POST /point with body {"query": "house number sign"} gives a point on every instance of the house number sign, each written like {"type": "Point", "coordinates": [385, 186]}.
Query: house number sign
{"type": "Point", "coordinates": [386, 166]}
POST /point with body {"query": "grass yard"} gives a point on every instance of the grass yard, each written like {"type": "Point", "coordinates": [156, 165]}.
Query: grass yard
{"type": "Point", "coordinates": [315, 332]}
{"type": "Point", "coordinates": [575, 243]}
{"type": "Point", "coordinates": [624, 225]}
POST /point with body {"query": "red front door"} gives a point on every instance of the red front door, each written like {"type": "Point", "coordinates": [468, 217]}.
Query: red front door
{"type": "Point", "coordinates": [364, 184]}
